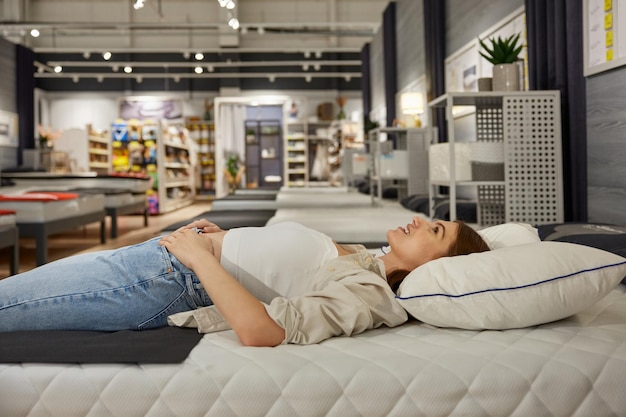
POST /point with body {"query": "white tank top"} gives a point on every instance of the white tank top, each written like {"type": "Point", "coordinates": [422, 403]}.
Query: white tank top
{"type": "Point", "coordinates": [276, 260]}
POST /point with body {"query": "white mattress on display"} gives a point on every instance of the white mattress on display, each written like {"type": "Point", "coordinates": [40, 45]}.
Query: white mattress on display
{"type": "Point", "coordinates": [41, 212]}
{"type": "Point", "coordinates": [573, 367]}
{"type": "Point", "coordinates": [7, 219]}
{"type": "Point", "coordinates": [312, 198]}
{"type": "Point", "coordinates": [350, 225]}
{"type": "Point", "coordinates": [84, 180]}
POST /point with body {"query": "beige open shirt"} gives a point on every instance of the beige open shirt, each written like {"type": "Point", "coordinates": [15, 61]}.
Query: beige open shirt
{"type": "Point", "coordinates": [351, 296]}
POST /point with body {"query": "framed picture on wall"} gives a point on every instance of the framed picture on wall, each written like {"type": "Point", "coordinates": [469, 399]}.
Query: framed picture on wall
{"type": "Point", "coordinates": [462, 69]}
{"type": "Point", "coordinates": [8, 129]}
{"type": "Point", "coordinates": [141, 108]}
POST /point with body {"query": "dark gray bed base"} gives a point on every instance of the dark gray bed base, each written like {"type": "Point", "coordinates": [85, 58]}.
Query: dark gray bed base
{"type": "Point", "coordinates": [228, 219]}
{"type": "Point", "coordinates": [139, 207]}
{"type": "Point", "coordinates": [41, 230]}
{"type": "Point", "coordinates": [10, 238]}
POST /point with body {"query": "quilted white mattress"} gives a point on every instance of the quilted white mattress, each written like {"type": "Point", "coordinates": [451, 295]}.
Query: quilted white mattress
{"type": "Point", "coordinates": [40, 212]}
{"type": "Point", "coordinates": [574, 367]}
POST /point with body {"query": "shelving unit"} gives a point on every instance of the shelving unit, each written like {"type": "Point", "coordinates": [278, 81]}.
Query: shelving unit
{"type": "Point", "coordinates": [82, 150]}
{"type": "Point", "coordinates": [296, 154]}
{"type": "Point", "coordinates": [529, 125]}
{"type": "Point", "coordinates": [203, 133]}
{"type": "Point", "coordinates": [263, 154]}
{"type": "Point", "coordinates": [348, 137]}
{"type": "Point", "coordinates": [176, 179]}
{"type": "Point", "coordinates": [160, 149]}
{"type": "Point", "coordinates": [301, 141]}
{"type": "Point", "coordinates": [401, 162]}
{"type": "Point", "coordinates": [99, 150]}
{"type": "Point", "coordinates": [318, 135]}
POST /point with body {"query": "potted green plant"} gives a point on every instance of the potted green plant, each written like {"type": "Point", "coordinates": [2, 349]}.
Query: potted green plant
{"type": "Point", "coordinates": [503, 54]}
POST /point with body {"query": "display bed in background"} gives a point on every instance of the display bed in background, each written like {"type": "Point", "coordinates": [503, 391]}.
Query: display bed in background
{"type": "Point", "coordinates": [132, 183]}
{"type": "Point", "coordinates": [569, 367]}
{"type": "Point", "coordinates": [228, 219]}
{"type": "Point", "coordinates": [294, 198]}
{"type": "Point", "coordinates": [40, 215]}
{"type": "Point", "coordinates": [364, 225]}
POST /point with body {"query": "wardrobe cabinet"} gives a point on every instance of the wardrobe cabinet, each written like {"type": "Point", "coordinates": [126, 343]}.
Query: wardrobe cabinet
{"type": "Point", "coordinates": [264, 158]}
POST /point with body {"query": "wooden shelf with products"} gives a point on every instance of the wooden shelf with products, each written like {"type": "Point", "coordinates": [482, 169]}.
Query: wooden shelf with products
{"type": "Point", "coordinates": [160, 149]}
{"type": "Point", "coordinates": [296, 158]}
{"type": "Point", "coordinates": [99, 150]}
{"type": "Point", "coordinates": [202, 132]}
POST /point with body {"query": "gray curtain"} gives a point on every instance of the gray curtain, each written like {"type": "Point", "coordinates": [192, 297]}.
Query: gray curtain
{"type": "Point", "coordinates": [555, 62]}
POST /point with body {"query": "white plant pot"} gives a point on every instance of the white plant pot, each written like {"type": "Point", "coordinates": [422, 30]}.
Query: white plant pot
{"type": "Point", "coordinates": [506, 77]}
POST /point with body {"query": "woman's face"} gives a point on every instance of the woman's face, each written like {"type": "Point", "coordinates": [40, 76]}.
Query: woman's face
{"type": "Point", "coordinates": [422, 241]}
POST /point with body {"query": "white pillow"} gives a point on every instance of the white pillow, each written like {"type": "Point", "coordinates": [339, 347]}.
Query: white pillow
{"type": "Point", "coordinates": [509, 234]}
{"type": "Point", "coordinates": [512, 287]}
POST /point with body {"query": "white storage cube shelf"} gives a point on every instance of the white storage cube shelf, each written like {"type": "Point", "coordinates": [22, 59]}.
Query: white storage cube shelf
{"type": "Point", "coordinates": [515, 162]}
{"type": "Point", "coordinates": [402, 163]}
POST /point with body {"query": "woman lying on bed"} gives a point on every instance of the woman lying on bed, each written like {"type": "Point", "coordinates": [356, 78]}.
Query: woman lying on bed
{"type": "Point", "coordinates": [277, 284]}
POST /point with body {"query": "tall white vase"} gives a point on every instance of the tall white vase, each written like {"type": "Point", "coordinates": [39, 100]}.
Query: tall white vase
{"type": "Point", "coordinates": [506, 77]}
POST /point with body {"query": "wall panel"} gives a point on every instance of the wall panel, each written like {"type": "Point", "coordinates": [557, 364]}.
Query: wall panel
{"type": "Point", "coordinates": [606, 147]}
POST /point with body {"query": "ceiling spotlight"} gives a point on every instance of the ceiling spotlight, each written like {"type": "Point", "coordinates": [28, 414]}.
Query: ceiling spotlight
{"type": "Point", "coordinates": [58, 69]}
{"type": "Point", "coordinates": [234, 23]}
{"type": "Point", "coordinates": [307, 78]}
{"type": "Point", "coordinates": [106, 55]}
{"type": "Point", "coordinates": [210, 68]}
{"type": "Point", "coordinates": [244, 30]}
{"type": "Point", "coordinates": [272, 78]}
{"type": "Point", "coordinates": [86, 55]}
{"type": "Point", "coordinates": [100, 78]}
{"type": "Point", "coordinates": [348, 78]}
{"type": "Point", "coordinates": [138, 4]}
{"type": "Point", "coordinates": [230, 5]}
{"type": "Point", "coordinates": [34, 33]}
{"type": "Point", "coordinates": [186, 55]}
{"type": "Point", "coordinates": [139, 80]}
{"type": "Point", "coordinates": [199, 56]}
{"type": "Point", "coordinates": [318, 54]}
{"type": "Point", "coordinates": [260, 30]}
{"type": "Point", "coordinates": [198, 70]}
{"type": "Point", "coordinates": [223, 3]}
{"type": "Point", "coordinates": [75, 78]}
{"type": "Point", "coordinates": [128, 69]}
{"type": "Point", "coordinates": [305, 67]}
{"type": "Point", "coordinates": [40, 70]}
{"type": "Point", "coordinates": [176, 79]}
{"type": "Point", "coordinates": [307, 54]}
{"type": "Point", "coordinates": [115, 68]}
{"type": "Point", "coordinates": [316, 67]}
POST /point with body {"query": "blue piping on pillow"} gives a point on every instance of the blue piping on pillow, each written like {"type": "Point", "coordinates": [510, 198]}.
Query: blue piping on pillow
{"type": "Point", "coordinates": [510, 288]}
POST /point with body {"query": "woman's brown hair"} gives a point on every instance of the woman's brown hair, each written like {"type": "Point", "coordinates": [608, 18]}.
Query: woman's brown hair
{"type": "Point", "coordinates": [467, 241]}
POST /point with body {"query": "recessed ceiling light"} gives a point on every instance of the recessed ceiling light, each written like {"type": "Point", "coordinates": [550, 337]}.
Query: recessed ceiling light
{"type": "Point", "coordinates": [58, 69]}
{"type": "Point", "coordinates": [106, 55]}
{"type": "Point", "coordinates": [128, 69]}
{"type": "Point", "coordinates": [34, 33]}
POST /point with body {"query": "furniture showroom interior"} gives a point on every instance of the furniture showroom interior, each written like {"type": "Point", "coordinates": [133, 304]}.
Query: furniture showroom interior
{"type": "Point", "coordinates": [312, 208]}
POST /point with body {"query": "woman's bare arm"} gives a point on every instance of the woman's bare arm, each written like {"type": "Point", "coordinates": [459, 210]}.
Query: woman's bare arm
{"type": "Point", "coordinates": [245, 314]}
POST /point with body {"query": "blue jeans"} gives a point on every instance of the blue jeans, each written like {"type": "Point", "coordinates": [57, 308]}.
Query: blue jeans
{"type": "Point", "coordinates": [134, 287]}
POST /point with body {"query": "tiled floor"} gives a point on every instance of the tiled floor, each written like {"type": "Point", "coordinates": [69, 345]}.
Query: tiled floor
{"type": "Point", "coordinates": [130, 231]}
